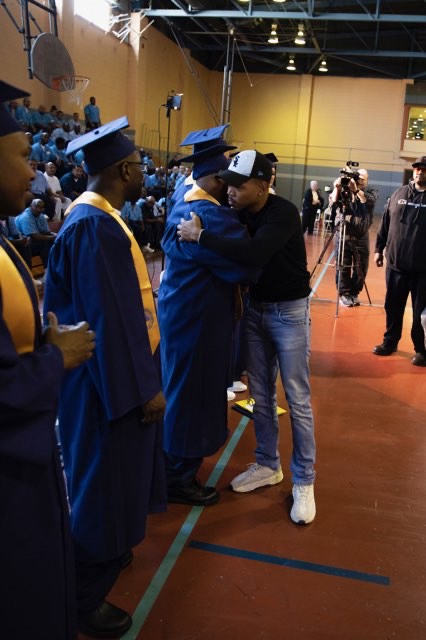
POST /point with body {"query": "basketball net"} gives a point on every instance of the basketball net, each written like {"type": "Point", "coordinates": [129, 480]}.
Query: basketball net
{"type": "Point", "coordinates": [75, 86]}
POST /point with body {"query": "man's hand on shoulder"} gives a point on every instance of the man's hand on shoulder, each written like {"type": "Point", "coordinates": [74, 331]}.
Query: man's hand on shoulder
{"type": "Point", "coordinates": [190, 230]}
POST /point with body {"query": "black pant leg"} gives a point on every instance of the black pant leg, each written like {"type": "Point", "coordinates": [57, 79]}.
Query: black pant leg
{"type": "Point", "coordinates": [397, 290]}
{"type": "Point", "coordinates": [361, 260]}
{"type": "Point", "coordinates": [418, 299]}
{"type": "Point", "coordinates": [94, 582]}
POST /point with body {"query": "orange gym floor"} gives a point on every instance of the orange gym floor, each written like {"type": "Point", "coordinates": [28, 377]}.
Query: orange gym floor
{"type": "Point", "coordinates": [241, 570]}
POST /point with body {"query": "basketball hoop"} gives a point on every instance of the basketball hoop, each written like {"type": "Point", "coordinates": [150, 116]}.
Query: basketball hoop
{"type": "Point", "coordinates": [75, 86]}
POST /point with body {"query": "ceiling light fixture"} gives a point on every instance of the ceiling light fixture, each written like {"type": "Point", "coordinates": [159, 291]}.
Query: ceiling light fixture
{"type": "Point", "coordinates": [300, 38]}
{"type": "Point", "coordinates": [323, 66]}
{"type": "Point", "coordinates": [291, 64]}
{"type": "Point", "coordinates": [273, 37]}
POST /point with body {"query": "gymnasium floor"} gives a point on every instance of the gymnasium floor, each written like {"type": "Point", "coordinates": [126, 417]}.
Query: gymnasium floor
{"type": "Point", "coordinates": [242, 569]}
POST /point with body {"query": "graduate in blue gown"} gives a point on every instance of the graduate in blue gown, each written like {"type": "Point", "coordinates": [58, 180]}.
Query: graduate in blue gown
{"type": "Point", "coordinates": [196, 310]}
{"type": "Point", "coordinates": [36, 554]}
{"type": "Point", "coordinates": [110, 410]}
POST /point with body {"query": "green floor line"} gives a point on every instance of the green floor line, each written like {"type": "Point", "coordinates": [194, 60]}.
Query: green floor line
{"type": "Point", "coordinates": [153, 591]}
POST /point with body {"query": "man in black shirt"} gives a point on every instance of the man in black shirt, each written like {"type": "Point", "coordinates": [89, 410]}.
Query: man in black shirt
{"type": "Point", "coordinates": [403, 234]}
{"type": "Point", "coordinates": [278, 325]}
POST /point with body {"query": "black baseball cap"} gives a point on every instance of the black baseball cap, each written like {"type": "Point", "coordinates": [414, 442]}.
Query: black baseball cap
{"type": "Point", "coordinates": [420, 162]}
{"type": "Point", "coordinates": [247, 165]}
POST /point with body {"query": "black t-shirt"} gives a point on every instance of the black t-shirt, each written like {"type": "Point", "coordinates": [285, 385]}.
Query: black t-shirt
{"type": "Point", "coordinates": [276, 245]}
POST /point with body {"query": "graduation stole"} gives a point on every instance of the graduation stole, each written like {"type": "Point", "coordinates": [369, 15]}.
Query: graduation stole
{"type": "Point", "coordinates": [197, 193]}
{"type": "Point", "coordinates": [18, 307]}
{"type": "Point", "coordinates": [96, 200]}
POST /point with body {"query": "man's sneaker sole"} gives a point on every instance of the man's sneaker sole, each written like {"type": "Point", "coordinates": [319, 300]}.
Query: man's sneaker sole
{"type": "Point", "coordinates": [256, 484]}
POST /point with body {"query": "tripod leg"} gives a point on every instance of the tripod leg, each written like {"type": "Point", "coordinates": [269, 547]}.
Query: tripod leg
{"type": "Point", "coordinates": [367, 292]}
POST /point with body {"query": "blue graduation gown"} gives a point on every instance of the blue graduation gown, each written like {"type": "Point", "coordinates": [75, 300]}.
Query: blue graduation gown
{"type": "Point", "coordinates": [196, 317]}
{"type": "Point", "coordinates": [36, 560]}
{"type": "Point", "coordinates": [113, 462]}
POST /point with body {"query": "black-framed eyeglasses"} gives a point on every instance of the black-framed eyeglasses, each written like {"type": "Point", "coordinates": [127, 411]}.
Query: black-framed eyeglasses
{"type": "Point", "coordinates": [140, 164]}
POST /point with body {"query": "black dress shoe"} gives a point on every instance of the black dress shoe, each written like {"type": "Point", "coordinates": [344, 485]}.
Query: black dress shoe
{"type": "Point", "coordinates": [419, 359]}
{"type": "Point", "coordinates": [193, 493]}
{"type": "Point", "coordinates": [107, 621]}
{"type": "Point", "coordinates": [383, 349]}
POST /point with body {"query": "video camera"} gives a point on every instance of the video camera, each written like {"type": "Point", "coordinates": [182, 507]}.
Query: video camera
{"type": "Point", "coordinates": [349, 173]}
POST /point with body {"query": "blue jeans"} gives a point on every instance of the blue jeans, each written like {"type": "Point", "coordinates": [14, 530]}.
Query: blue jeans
{"type": "Point", "coordinates": [278, 334]}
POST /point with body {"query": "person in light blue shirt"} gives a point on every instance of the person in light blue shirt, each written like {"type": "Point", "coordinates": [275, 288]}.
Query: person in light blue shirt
{"type": "Point", "coordinates": [41, 151]}
{"type": "Point", "coordinates": [132, 216]}
{"type": "Point", "coordinates": [33, 224]}
{"type": "Point", "coordinates": [92, 115]}
{"type": "Point", "coordinates": [40, 118]}
{"type": "Point", "coordinates": [24, 115]}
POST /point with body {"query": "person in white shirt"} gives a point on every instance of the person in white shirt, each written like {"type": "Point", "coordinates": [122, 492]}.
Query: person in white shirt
{"type": "Point", "coordinates": [61, 202]}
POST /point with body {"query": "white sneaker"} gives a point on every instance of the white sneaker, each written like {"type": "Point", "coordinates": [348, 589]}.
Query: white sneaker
{"type": "Point", "coordinates": [346, 301]}
{"type": "Point", "coordinates": [230, 395]}
{"type": "Point", "coordinates": [303, 510]}
{"type": "Point", "coordinates": [256, 476]}
{"type": "Point", "coordinates": [238, 387]}
{"type": "Point", "coordinates": [147, 249]}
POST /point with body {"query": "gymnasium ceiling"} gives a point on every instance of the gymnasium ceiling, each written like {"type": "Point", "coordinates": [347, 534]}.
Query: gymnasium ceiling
{"type": "Point", "coordinates": [357, 38]}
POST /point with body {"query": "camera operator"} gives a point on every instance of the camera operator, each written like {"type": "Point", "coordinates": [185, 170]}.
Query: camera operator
{"type": "Point", "coordinates": [352, 207]}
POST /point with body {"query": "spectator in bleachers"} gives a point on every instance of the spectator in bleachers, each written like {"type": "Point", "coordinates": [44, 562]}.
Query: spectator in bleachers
{"type": "Point", "coordinates": [24, 115]}
{"type": "Point", "coordinates": [40, 118]}
{"type": "Point", "coordinates": [32, 223]}
{"type": "Point", "coordinates": [149, 161]}
{"type": "Point", "coordinates": [73, 184]}
{"type": "Point", "coordinates": [184, 172]}
{"type": "Point", "coordinates": [9, 230]}
{"type": "Point", "coordinates": [132, 216]}
{"type": "Point", "coordinates": [60, 157]}
{"type": "Point", "coordinates": [41, 151]}
{"type": "Point", "coordinates": [61, 202]}
{"type": "Point", "coordinates": [153, 217]}
{"type": "Point", "coordinates": [92, 115]}
{"type": "Point", "coordinates": [74, 125]}
{"type": "Point", "coordinates": [40, 189]}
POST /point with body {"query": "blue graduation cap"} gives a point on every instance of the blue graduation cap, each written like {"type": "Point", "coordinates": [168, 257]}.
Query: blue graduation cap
{"type": "Point", "coordinates": [103, 146]}
{"type": "Point", "coordinates": [8, 92]}
{"type": "Point", "coordinates": [209, 146]}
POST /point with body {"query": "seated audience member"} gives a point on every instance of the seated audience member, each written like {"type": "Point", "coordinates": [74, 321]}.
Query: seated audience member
{"type": "Point", "coordinates": [24, 115]}
{"type": "Point", "coordinates": [132, 216]}
{"type": "Point", "coordinates": [184, 172]}
{"type": "Point", "coordinates": [41, 151]}
{"type": "Point", "coordinates": [40, 189]}
{"type": "Point", "coordinates": [9, 230]}
{"type": "Point", "coordinates": [40, 118]}
{"type": "Point", "coordinates": [61, 202]}
{"type": "Point", "coordinates": [60, 157]}
{"type": "Point", "coordinates": [33, 224]}
{"type": "Point", "coordinates": [153, 217]}
{"type": "Point", "coordinates": [75, 126]}
{"type": "Point", "coordinates": [74, 183]}
{"type": "Point", "coordinates": [149, 161]}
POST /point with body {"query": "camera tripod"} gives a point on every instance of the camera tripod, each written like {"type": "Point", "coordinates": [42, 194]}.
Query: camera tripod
{"type": "Point", "coordinates": [339, 232]}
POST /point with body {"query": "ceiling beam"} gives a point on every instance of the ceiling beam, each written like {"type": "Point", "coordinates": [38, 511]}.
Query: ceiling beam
{"type": "Point", "coordinates": [286, 15]}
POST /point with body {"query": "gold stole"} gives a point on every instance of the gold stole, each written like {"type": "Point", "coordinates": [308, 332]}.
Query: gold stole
{"type": "Point", "coordinates": [197, 193]}
{"type": "Point", "coordinates": [18, 309]}
{"type": "Point", "coordinates": [96, 200]}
